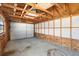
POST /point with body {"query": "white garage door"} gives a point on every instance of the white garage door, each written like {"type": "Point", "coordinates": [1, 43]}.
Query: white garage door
{"type": "Point", "coordinates": [21, 30]}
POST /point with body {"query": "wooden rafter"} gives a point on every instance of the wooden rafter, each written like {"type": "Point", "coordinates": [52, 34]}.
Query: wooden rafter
{"type": "Point", "coordinates": [10, 6]}
{"type": "Point", "coordinates": [69, 9]}
{"type": "Point", "coordinates": [60, 8]}
{"type": "Point", "coordinates": [15, 5]}
{"type": "Point", "coordinates": [46, 9]}
{"type": "Point", "coordinates": [22, 20]}
{"type": "Point", "coordinates": [18, 8]}
{"type": "Point", "coordinates": [58, 11]}
{"type": "Point", "coordinates": [20, 17]}
{"type": "Point", "coordinates": [24, 10]}
{"type": "Point", "coordinates": [40, 8]}
{"type": "Point", "coordinates": [29, 19]}
{"type": "Point", "coordinates": [30, 11]}
{"type": "Point", "coordinates": [6, 10]}
{"type": "Point", "coordinates": [43, 16]}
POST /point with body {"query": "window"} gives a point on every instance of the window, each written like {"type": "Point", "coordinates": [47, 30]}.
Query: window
{"type": "Point", "coordinates": [51, 24]}
{"type": "Point", "coordinates": [65, 27]}
{"type": "Point", "coordinates": [75, 33]}
{"type": "Point", "coordinates": [66, 32]}
{"type": "Point", "coordinates": [1, 25]}
{"type": "Point", "coordinates": [51, 31]}
{"type": "Point", "coordinates": [42, 28]}
{"type": "Point", "coordinates": [57, 32]}
{"type": "Point", "coordinates": [75, 27]}
{"type": "Point", "coordinates": [66, 22]}
{"type": "Point", "coordinates": [75, 21]}
{"type": "Point", "coordinates": [57, 23]}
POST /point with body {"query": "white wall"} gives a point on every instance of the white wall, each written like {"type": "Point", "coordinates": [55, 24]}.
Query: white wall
{"type": "Point", "coordinates": [75, 31]}
{"type": "Point", "coordinates": [29, 30]}
{"type": "Point", "coordinates": [65, 27]}
{"type": "Point", "coordinates": [20, 30]}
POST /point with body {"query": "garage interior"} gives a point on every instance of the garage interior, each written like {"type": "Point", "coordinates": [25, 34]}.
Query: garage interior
{"type": "Point", "coordinates": [39, 29]}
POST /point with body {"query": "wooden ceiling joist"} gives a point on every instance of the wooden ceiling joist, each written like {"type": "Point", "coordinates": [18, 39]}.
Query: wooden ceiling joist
{"type": "Point", "coordinates": [18, 8]}
{"type": "Point", "coordinates": [46, 9]}
{"type": "Point", "coordinates": [69, 9]}
{"type": "Point", "coordinates": [40, 8]}
{"type": "Point", "coordinates": [7, 10]}
{"type": "Point", "coordinates": [58, 11]}
{"type": "Point", "coordinates": [10, 6]}
{"type": "Point", "coordinates": [42, 14]}
{"type": "Point", "coordinates": [59, 6]}
{"type": "Point", "coordinates": [21, 20]}
{"type": "Point", "coordinates": [15, 5]}
{"type": "Point", "coordinates": [23, 10]}
{"type": "Point", "coordinates": [18, 17]}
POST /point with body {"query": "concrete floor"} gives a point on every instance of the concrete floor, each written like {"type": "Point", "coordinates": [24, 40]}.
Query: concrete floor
{"type": "Point", "coordinates": [36, 47]}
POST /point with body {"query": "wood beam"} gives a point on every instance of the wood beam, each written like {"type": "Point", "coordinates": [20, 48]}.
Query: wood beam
{"type": "Point", "coordinates": [15, 5]}
{"type": "Point", "coordinates": [70, 14]}
{"type": "Point", "coordinates": [43, 16]}
{"type": "Point", "coordinates": [58, 11]}
{"type": "Point", "coordinates": [10, 6]}
{"type": "Point", "coordinates": [61, 30]}
{"type": "Point", "coordinates": [7, 10]}
{"type": "Point", "coordinates": [18, 8]}
{"type": "Point", "coordinates": [46, 9]}
{"type": "Point", "coordinates": [38, 29]}
{"type": "Point", "coordinates": [71, 29]}
{"type": "Point", "coordinates": [21, 20]}
{"type": "Point", "coordinates": [24, 10]}
{"type": "Point", "coordinates": [44, 30]}
{"type": "Point", "coordinates": [69, 9]}
{"type": "Point", "coordinates": [60, 8]}
{"type": "Point", "coordinates": [53, 23]}
{"type": "Point", "coordinates": [40, 8]}
{"type": "Point", "coordinates": [31, 11]}
{"type": "Point", "coordinates": [20, 17]}
{"type": "Point", "coordinates": [28, 19]}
